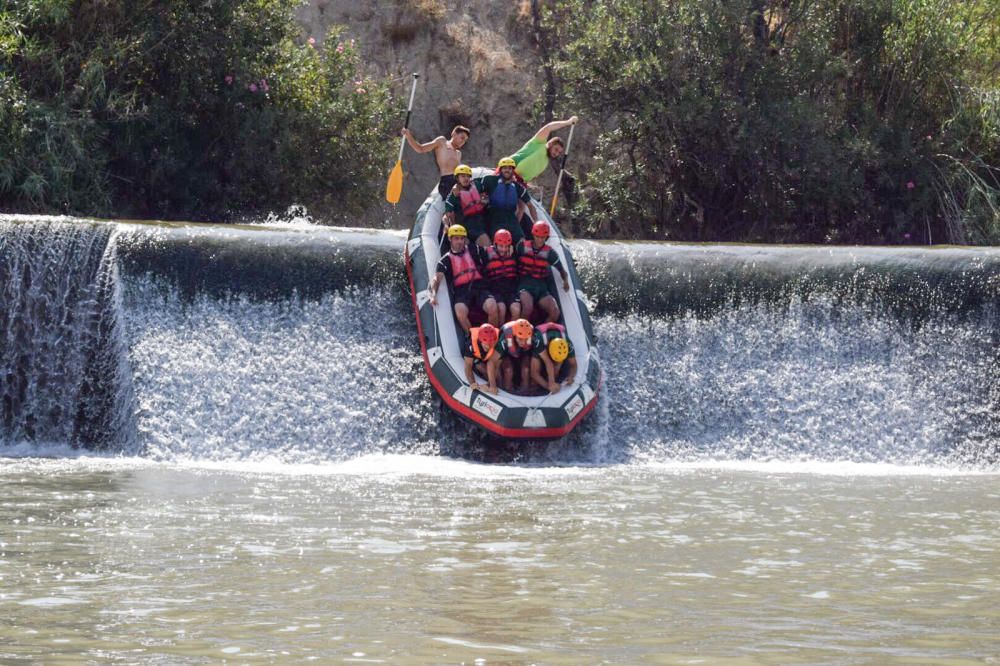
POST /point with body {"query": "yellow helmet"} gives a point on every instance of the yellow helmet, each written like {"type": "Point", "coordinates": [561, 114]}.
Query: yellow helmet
{"type": "Point", "coordinates": [457, 230]}
{"type": "Point", "coordinates": [558, 350]}
{"type": "Point", "coordinates": [463, 170]}
{"type": "Point", "coordinates": [507, 161]}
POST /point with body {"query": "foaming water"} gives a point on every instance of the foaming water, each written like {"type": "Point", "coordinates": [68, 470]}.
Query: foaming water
{"type": "Point", "coordinates": [811, 382]}
{"type": "Point", "coordinates": [299, 381]}
{"type": "Point", "coordinates": [287, 344]}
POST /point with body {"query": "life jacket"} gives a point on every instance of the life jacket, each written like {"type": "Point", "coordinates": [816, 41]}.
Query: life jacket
{"type": "Point", "coordinates": [470, 201]}
{"type": "Point", "coordinates": [507, 333]}
{"type": "Point", "coordinates": [463, 269]}
{"type": "Point", "coordinates": [476, 351]}
{"type": "Point", "coordinates": [499, 268]}
{"type": "Point", "coordinates": [534, 263]}
{"type": "Point", "coordinates": [504, 197]}
{"type": "Point", "coordinates": [550, 331]}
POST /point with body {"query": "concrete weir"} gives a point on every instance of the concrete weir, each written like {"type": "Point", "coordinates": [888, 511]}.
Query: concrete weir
{"type": "Point", "coordinates": [180, 341]}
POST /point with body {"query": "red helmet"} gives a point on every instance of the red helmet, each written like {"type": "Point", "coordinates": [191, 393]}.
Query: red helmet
{"type": "Point", "coordinates": [488, 334]}
{"type": "Point", "coordinates": [540, 229]}
{"type": "Point", "coordinates": [503, 237]}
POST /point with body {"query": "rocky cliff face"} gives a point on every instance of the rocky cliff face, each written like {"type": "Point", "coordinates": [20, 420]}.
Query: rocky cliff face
{"type": "Point", "coordinates": [478, 65]}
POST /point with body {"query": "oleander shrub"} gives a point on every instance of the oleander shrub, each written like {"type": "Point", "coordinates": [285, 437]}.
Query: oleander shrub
{"type": "Point", "coordinates": [857, 121]}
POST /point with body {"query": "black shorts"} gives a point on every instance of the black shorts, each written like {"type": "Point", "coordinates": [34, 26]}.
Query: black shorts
{"type": "Point", "coordinates": [445, 185]}
{"type": "Point", "coordinates": [505, 295]}
{"type": "Point", "coordinates": [472, 297]}
{"type": "Point", "coordinates": [475, 226]}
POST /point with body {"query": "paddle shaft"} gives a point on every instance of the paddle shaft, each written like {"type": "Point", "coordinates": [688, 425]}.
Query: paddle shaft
{"type": "Point", "coordinates": [562, 168]}
{"type": "Point", "coordinates": [409, 112]}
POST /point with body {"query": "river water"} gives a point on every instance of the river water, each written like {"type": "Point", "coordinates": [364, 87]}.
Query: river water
{"type": "Point", "coordinates": [418, 560]}
{"type": "Point", "coordinates": [218, 445]}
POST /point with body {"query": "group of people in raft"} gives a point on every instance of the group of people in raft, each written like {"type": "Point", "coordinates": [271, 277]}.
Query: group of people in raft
{"type": "Point", "coordinates": [502, 273]}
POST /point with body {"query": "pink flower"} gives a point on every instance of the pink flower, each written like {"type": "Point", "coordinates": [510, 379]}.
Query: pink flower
{"type": "Point", "coordinates": [929, 137]}
{"type": "Point", "coordinates": [264, 86]}
{"type": "Point", "coordinates": [910, 184]}
{"type": "Point", "coordinates": [252, 87]}
{"type": "Point", "coordinates": [229, 79]}
{"type": "Point", "coordinates": [360, 91]}
{"type": "Point", "coordinates": [311, 41]}
{"type": "Point", "coordinates": [340, 47]}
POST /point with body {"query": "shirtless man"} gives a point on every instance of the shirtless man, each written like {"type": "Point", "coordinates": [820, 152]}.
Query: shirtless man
{"type": "Point", "coordinates": [447, 154]}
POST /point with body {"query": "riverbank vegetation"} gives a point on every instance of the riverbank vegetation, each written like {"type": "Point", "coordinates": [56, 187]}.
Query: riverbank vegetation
{"type": "Point", "coordinates": [858, 121]}
{"type": "Point", "coordinates": [183, 110]}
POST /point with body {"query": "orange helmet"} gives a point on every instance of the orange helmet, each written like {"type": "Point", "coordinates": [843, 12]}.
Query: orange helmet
{"type": "Point", "coordinates": [540, 229]}
{"type": "Point", "coordinates": [522, 328]}
{"type": "Point", "coordinates": [488, 334]}
{"type": "Point", "coordinates": [503, 237]}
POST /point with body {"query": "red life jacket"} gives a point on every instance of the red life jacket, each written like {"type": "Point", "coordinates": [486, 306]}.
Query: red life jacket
{"type": "Point", "coordinates": [470, 201]}
{"type": "Point", "coordinates": [548, 331]}
{"type": "Point", "coordinates": [534, 263]}
{"type": "Point", "coordinates": [463, 269]}
{"type": "Point", "coordinates": [476, 351]}
{"type": "Point", "coordinates": [499, 268]}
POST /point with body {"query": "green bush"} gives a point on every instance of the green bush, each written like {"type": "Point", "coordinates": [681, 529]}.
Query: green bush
{"type": "Point", "coordinates": [184, 109]}
{"type": "Point", "coordinates": [866, 121]}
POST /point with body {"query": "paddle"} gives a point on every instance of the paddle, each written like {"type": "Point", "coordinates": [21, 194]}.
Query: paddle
{"type": "Point", "coordinates": [562, 168]}
{"type": "Point", "coordinates": [394, 188]}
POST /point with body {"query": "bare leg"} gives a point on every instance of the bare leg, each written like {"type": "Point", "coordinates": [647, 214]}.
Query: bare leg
{"type": "Point", "coordinates": [507, 370]}
{"type": "Point", "coordinates": [515, 311]}
{"type": "Point", "coordinates": [492, 313]}
{"type": "Point", "coordinates": [526, 372]}
{"type": "Point", "coordinates": [462, 314]}
{"type": "Point", "coordinates": [527, 305]}
{"type": "Point", "coordinates": [502, 309]}
{"type": "Point", "coordinates": [551, 308]}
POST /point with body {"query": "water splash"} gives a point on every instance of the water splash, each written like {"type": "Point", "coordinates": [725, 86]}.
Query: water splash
{"type": "Point", "coordinates": [64, 373]}
{"type": "Point", "coordinates": [297, 346]}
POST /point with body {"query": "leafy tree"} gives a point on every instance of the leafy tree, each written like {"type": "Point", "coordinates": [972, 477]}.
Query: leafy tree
{"type": "Point", "coordinates": [787, 120]}
{"type": "Point", "coordinates": [183, 109]}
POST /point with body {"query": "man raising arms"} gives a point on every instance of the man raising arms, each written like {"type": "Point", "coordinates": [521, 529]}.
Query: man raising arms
{"type": "Point", "coordinates": [447, 154]}
{"type": "Point", "coordinates": [533, 157]}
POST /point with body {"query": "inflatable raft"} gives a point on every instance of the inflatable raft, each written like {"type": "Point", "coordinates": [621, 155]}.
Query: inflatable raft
{"type": "Point", "coordinates": [505, 414]}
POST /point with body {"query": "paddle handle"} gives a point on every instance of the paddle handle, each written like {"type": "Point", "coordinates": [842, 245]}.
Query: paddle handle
{"type": "Point", "coordinates": [562, 168]}
{"type": "Point", "coordinates": [409, 112]}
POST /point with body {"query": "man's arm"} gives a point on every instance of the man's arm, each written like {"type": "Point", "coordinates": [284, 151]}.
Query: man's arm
{"type": "Point", "coordinates": [548, 129]}
{"type": "Point", "coordinates": [557, 264]}
{"type": "Point", "coordinates": [434, 287]}
{"type": "Point", "coordinates": [571, 372]}
{"type": "Point", "coordinates": [421, 147]}
{"type": "Point", "coordinates": [529, 204]}
{"type": "Point", "coordinates": [469, 376]}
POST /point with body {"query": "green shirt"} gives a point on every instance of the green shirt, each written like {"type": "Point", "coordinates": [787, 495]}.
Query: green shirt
{"type": "Point", "coordinates": [532, 159]}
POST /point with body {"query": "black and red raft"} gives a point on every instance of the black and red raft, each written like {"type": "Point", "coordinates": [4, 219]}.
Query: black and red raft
{"type": "Point", "coordinates": [506, 415]}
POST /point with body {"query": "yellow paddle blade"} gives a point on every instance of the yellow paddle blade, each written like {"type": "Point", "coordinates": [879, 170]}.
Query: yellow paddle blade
{"type": "Point", "coordinates": [395, 185]}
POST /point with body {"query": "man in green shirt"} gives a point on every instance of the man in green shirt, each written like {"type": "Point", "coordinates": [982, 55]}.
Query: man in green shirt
{"type": "Point", "coordinates": [533, 157]}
